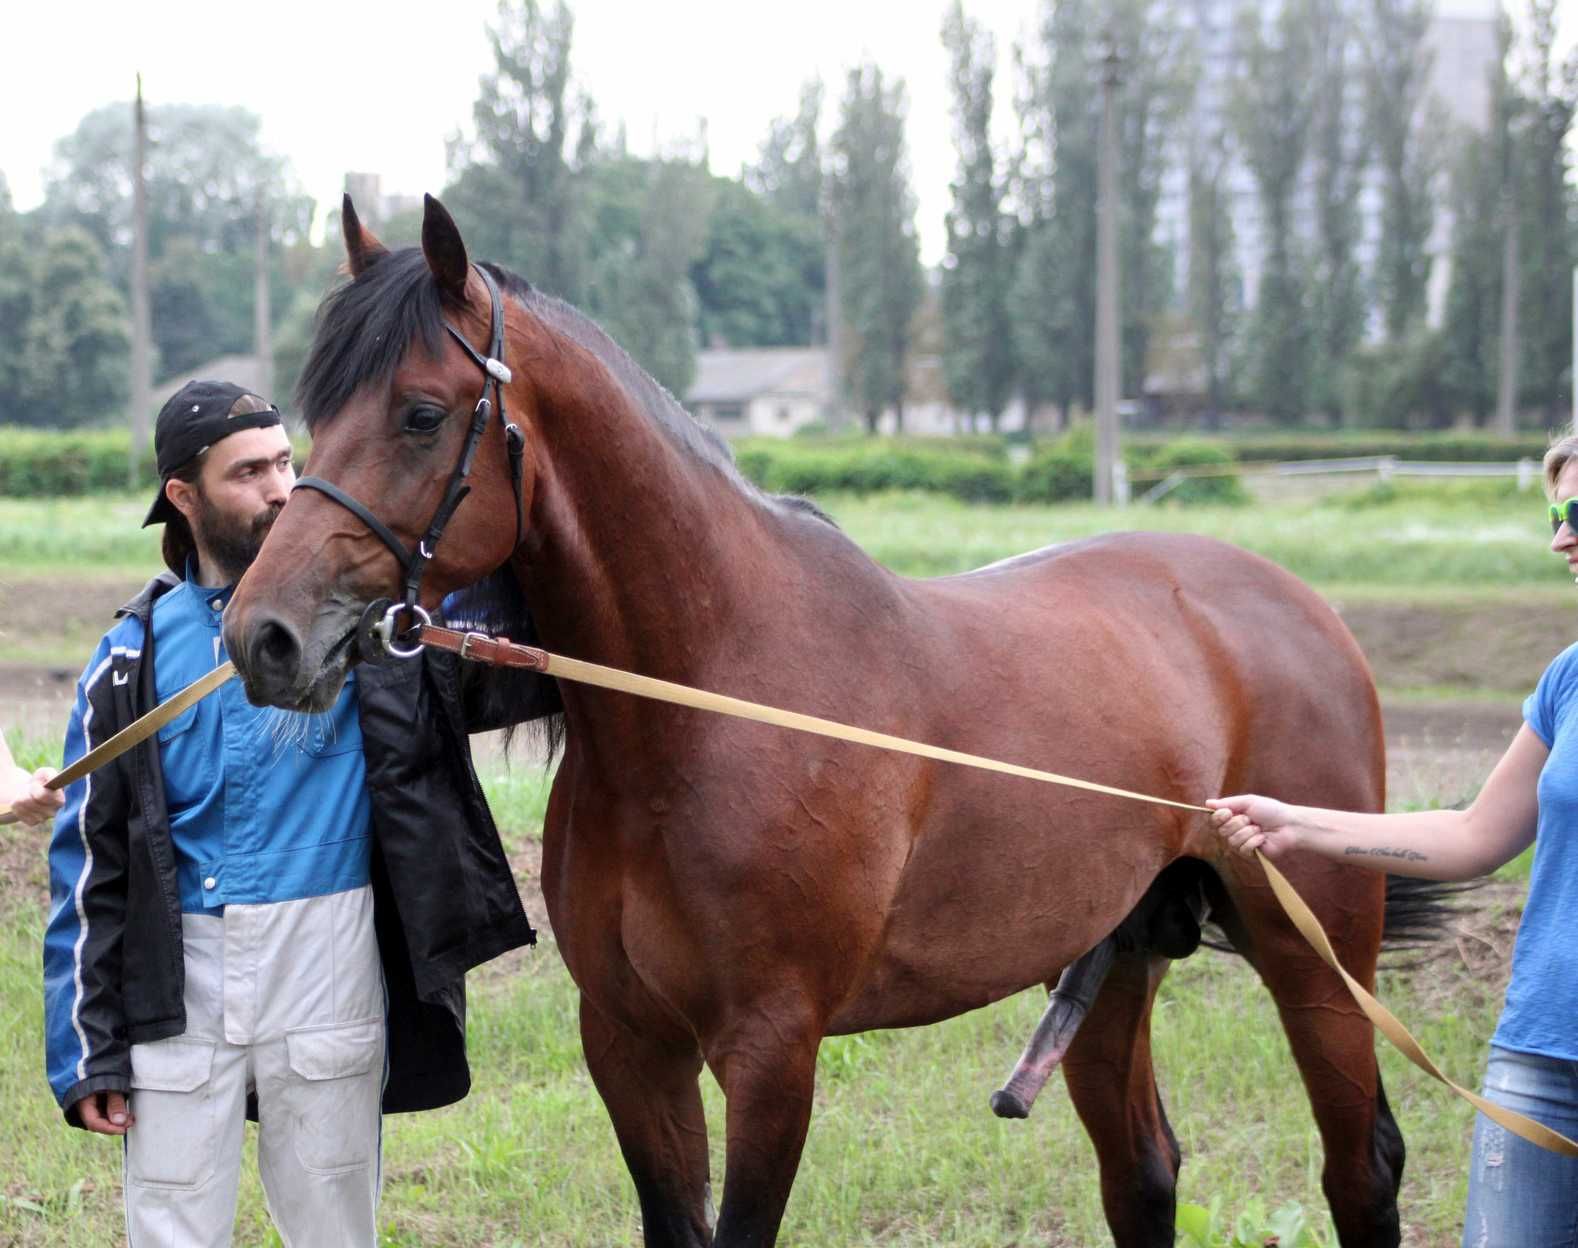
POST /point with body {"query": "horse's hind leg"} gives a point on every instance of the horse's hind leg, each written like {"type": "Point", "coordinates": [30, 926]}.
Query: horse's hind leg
{"type": "Point", "coordinates": [650, 1088]}
{"type": "Point", "coordinates": [1113, 1087]}
{"type": "Point", "coordinates": [1333, 1043]}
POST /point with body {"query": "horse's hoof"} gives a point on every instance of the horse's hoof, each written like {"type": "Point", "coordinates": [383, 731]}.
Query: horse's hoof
{"type": "Point", "coordinates": [1006, 1105]}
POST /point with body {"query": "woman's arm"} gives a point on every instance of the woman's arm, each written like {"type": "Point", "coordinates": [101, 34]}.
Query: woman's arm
{"type": "Point", "coordinates": [1434, 844]}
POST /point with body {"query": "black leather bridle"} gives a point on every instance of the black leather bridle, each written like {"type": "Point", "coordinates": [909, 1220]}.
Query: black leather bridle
{"type": "Point", "coordinates": [414, 562]}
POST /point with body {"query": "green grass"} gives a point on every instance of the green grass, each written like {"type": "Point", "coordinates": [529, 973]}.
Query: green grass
{"type": "Point", "coordinates": [1475, 539]}
{"type": "Point", "coordinates": [100, 534]}
{"type": "Point", "coordinates": [1400, 545]}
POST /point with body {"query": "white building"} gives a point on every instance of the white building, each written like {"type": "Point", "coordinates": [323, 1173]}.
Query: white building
{"type": "Point", "coordinates": [761, 392]}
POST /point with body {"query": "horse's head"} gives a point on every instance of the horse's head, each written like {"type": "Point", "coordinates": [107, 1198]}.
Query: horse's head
{"type": "Point", "coordinates": [391, 395]}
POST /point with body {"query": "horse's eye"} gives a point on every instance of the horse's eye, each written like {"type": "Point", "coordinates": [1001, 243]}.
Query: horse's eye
{"type": "Point", "coordinates": [424, 420]}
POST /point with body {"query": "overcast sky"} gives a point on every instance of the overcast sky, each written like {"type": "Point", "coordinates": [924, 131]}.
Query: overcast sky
{"type": "Point", "coordinates": [380, 87]}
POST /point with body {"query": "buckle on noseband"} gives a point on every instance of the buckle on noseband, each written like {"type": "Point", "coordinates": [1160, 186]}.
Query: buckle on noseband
{"type": "Point", "coordinates": [384, 630]}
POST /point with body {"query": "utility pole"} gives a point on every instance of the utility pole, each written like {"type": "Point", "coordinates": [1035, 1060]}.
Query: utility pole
{"type": "Point", "coordinates": [142, 381]}
{"type": "Point", "coordinates": [1107, 452]}
{"type": "Point", "coordinates": [261, 318]}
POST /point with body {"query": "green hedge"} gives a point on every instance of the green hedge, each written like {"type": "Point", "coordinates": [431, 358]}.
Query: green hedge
{"type": "Point", "coordinates": [42, 463]}
{"type": "Point", "coordinates": [38, 463]}
{"type": "Point", "coordinates": [974, 471]}
{"type": "Point", "coordinates": [45, 463]}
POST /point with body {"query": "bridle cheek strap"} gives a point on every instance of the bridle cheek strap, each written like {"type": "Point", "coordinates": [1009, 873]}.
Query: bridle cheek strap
{"type": "Point", "coordinates": [413, 563]}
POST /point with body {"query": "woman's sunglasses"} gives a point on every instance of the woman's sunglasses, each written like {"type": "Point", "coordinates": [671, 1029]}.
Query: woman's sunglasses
{"type": "Point", "coordinates": [1565, 513]}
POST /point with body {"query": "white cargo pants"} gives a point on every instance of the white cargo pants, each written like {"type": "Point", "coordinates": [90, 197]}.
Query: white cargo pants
{"type": "Point", "coordinates": [285, 999]}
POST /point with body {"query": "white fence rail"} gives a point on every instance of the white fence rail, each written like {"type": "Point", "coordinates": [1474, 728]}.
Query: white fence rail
{"type": "Point", "coordinates": [1384, 468]}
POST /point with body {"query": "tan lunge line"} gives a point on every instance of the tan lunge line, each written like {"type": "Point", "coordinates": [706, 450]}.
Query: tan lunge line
{"type": "Point", "coordinates": [613, 678]}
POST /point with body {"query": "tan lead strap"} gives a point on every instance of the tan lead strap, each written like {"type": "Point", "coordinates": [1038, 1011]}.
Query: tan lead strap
{"type": "Point", "coordinates": [139, 731]}
{"type": "Point", "coordinates": [501, 650]}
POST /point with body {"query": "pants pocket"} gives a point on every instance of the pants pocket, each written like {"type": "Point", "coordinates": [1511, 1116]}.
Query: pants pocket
{"type": "Point", "coordinates": [335, 1093]}
{"type": "Point", "coordinates": [173, 1140]}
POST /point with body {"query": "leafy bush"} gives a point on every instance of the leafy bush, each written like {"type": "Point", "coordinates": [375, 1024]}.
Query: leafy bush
{"type": "Point", "coordinates": [1200, 1226]}
{"type": "Point", "coordinates": [1187, 453]}
{"type": "Point", "coordinates": [1062, 471]}
{"type": "Point", "coordinates": [41, 463]}
{"type": "Point", "coordinates": [48, 463]}
{"type": "Point", "coordinates": [966, 471]}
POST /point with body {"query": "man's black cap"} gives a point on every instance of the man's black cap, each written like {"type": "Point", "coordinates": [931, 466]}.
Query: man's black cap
{"type": "Point", "coordinates": [196, 416]}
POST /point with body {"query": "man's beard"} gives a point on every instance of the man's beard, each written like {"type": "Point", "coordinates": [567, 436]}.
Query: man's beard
{"type": "Point", "coordinates": [231, 542]}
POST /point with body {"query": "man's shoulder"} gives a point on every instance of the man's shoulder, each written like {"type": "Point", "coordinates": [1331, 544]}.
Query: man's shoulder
{"type": "Point", "coordinates": [155, 591]}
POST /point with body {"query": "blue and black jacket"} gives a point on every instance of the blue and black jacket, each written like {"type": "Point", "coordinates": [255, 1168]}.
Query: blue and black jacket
{"type": "Point", "coordinates": [445, 900]}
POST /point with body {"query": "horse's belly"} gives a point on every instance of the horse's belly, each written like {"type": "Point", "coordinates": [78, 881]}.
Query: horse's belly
{"type": "Point", "coordinates": [989, 907]}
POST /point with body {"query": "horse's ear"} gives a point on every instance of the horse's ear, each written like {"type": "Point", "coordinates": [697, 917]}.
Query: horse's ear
{"type": "Point", "coordinates": [362, 248]}
{"type": "Point", "coordinates": [445, 252]}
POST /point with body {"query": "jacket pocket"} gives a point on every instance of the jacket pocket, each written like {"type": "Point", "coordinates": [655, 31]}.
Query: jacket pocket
{"type": "Point", "coordinates": [329, 734]}
{"type": "Point", "coordinates": [178, 725]}
{"type": "Point", "coordinates": [334, 1099]}
{"type": "Point", "coordinates": [175, 1133]}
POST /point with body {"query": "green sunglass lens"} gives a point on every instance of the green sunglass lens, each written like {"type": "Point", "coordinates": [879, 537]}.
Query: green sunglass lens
{"type": "Point", "coordinates": [1567, 512]}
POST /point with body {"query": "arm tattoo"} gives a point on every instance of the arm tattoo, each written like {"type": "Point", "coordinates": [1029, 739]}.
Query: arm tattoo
{"type": "Point", "coordinates": [1383, 851]}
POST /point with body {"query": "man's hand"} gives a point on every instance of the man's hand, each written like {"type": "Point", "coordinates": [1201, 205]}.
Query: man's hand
{"type": "Point", "coordinates": [29, 800]}
{"type": "Point", "coordinates": [105, 1112]}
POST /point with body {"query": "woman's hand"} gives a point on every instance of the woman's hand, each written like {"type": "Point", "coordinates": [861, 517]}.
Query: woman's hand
{"type": "Point", "coordinates": [29, 800]}
{"type": "Point", "coordinates": [1249, 822]}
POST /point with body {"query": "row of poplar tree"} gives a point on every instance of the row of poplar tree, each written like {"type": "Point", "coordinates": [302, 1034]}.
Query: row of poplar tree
{"type": "Point", "coordinates": [1328, 98]}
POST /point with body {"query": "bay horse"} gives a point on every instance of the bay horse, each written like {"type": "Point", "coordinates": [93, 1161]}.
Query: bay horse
{"type": "Point", "coordinates": [726, 893]}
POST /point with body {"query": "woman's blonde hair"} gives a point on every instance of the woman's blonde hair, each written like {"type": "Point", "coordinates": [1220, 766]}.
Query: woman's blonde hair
{"type": "Point", "coordinates": [1563, 451]}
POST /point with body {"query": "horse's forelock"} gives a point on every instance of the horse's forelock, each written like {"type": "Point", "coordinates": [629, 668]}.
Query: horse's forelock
{"type": "Point", "coordinates": [364, 329]}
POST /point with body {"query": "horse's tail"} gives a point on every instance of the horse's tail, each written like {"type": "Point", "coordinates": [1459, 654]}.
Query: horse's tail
{"type": "Point", "coordinates": [1419, 912]}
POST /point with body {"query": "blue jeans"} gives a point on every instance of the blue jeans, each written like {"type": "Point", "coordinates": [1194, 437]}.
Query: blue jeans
{"type": "Point", "coordinates": [1519, 1194]}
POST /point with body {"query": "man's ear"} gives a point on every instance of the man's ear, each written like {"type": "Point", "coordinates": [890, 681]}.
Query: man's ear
{"type": "Point", "coordinates": [182, 496]}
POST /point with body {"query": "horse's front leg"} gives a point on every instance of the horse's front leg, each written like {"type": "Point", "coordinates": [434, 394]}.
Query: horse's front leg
{"type": "Point", "coordinates": [648, 1081]}
{"type": "Point", "coordinates": [764, 1056]}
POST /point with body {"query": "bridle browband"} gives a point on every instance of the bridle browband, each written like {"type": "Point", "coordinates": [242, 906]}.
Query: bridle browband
{"type": "Point", "coordinates": [414, 562]}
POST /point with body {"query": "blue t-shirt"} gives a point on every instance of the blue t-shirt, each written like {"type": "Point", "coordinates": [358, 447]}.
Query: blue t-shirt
{"type": "Point", "coordinates": [1541, 1014]}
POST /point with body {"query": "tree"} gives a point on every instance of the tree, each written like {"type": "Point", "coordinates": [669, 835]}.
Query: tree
{"type": "Point", "coordinates": [977, 348]}
{"type": "Point", "coordinates": [1549, 215]}
{"type": "Point", "coordinates": [1157, 85]}
{"type": "Point", "coordinates": [1405, 132]}
{"type": "Point", "coordinates": [76, 316]}
{"type": "Point", "coordinates": [1271, 106]}
{"type": "Point", "coordinates": [759, 278]}
{"type": "Point", "coordinates": [514, 184]}
{"type": "Point", "coordinates": [1053, 295]}
{"type": "Point", "coordinates": [789, 170]}
{"type": "Point", "coordinates": [206, 170]}
{"type": "Point", "coordinates": [1213, 272]}
{"type": "Point", "coordinates": [879, 275]}
{"type": "Point", "coordinates": [1338, 156]}
{"type": "Point", "coordinates": [1481, 189]}
{"type": "Point", "coordinates": [1053, 298]}
{"type": "Point", "coordinates": [643, 294]}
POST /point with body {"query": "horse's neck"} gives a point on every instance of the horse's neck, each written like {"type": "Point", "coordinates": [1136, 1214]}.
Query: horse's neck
{"type": "Point", "coordinates": [642, 550]}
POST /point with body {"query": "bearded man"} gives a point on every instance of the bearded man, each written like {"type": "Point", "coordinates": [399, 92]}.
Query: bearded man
{"type": "Point", "coordinates": [259, 914]}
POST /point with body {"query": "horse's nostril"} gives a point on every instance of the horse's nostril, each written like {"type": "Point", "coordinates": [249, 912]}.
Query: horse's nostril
{"type": "Point", "coordinates": [274, 650]}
